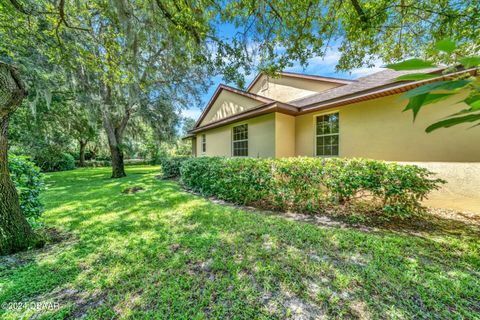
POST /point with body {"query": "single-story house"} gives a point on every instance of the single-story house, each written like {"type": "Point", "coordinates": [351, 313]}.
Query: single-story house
{"type": "Point", "coordinates": [309, 115]}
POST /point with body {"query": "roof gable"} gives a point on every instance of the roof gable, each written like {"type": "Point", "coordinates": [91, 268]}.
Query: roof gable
{"type": "Point", "coordinates": [228, 101]}
{"type": "Point", "coordinates": [290, 86]}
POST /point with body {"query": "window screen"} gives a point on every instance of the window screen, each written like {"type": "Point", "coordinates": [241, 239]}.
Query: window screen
{"type": "Point", "coordinates": [240, 141]}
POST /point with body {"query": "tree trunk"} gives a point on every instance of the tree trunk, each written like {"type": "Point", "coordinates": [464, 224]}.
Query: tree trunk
{"type": "Point", "coordinates": [118, 167]}
{"type": "Point", "coordinates": [114, 134]}
{"type": "Point", "coordinates": [15, 232]}
{"type": "Point", "coordinates": [83, 144]}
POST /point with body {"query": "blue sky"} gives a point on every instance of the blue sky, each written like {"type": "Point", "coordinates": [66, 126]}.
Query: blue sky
{"type": "Point", "coordinates": [324, 66]}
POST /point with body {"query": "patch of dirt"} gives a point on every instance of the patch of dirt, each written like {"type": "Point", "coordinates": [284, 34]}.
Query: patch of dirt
{"type": "Point", "coordinates": [82, 301]}
{"type": "Point", "coordinates": [54, 235]}
{"type": "Point", "coordinates": [134, 189]}
{"type": "Point", "coordinates": [51, 236]}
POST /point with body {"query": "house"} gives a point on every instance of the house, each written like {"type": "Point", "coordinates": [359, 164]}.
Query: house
{"type": "Point", "coordinates": [306, 115]}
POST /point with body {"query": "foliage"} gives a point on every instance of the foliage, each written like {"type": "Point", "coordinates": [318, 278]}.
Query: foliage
{"type": "Point", "coordinates": [97, 163]}
{"type": "Point", "coordinates": [158, 151]}
{"type": "Point", "coordinates": [135, 162]}
{"type": "Point", "coordinates": [247, 261]}
{"type": "Point", "coordinates": [311, 184]}
{"type": "Point", "coordinates": [363, 32]}
{"type": "Point", "coordinates": [49, 161]}
{"type": "Point", "coordinates": [171, 166]}
{"type": "Point", "coordinates": [456, 83]}
{"type": "Point", "coordinates": [29, 183]}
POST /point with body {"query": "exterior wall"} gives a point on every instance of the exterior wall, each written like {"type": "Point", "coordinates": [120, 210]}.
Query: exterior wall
{"type": "Point", "coordinates": [378, 129]}
{"type": "Point", "coordinates": [462, 190]}
{"type": "Point", "coordinates": [285, 89]}
{"type": "Point", "coordinates": [227, 104]}
{"type": "Point", "coordinates": [261, 138]}
{"type": "Point", "coordinates": [284, 135]}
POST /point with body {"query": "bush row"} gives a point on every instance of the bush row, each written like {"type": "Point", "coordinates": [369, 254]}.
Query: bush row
{"type": "Point", "coordinates": [311, 185]}
{"type": "Point", "coordinates": [55, 161]}
{"type": "Point", "coordinates": [29, 183]}
{"type": "Point", "coordinates": [171, 166]}
{"type": "Point", "coordinates": [95, 163]}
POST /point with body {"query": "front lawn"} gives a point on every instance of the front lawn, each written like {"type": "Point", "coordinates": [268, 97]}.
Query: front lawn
{"type": "Point", "coordinates": [164, 253]}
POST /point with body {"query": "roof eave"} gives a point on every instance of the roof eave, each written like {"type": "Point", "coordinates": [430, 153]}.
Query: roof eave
{"type": "Point", "coordinates": [301, 76]}
{"type": "Point", "coordinates": [377, 92]}
{"type": "Point", "coordinates": [217, 92]}
{"type": "Point", "coordinates": [248, 114]}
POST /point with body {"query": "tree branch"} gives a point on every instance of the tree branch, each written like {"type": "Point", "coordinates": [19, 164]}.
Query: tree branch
{"type": "Point", "coordinates": [360, 12]}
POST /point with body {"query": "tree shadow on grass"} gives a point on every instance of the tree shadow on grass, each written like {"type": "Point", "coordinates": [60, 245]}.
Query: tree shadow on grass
{"type": "Point", "coordinates": [166, 253]}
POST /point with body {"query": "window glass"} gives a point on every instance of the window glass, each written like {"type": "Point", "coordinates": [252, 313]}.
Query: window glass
{"type": "Point", "coordinates": [327, 133]}
{"type": "Point", "coordinates": [240, 141]}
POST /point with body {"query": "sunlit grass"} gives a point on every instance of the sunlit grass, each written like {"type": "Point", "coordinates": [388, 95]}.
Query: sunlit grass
{"type": "Point", "coordinates": [164, 253]}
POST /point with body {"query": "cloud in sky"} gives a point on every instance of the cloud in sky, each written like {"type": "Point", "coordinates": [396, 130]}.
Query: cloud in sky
{"type": "Point", "coordinates": [322, 66]}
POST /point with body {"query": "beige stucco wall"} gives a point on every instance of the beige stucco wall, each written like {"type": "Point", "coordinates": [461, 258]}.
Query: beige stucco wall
{"type": "Point", "coordinates": [378, 129]}
{"type": "Point", "coordinates": [227, 104]}
{"type": "Point", "coordinates": [286, 89]}
{"type": "Point", "coordinates": [462, 190]}
{"type": "Point", "coordinates": [261, 138]}
{"type": "Point", "coordinates": [284, 135]}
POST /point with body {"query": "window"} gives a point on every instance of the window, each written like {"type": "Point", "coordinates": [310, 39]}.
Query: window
{"type": "Point", "coordinates": [204, 143]}
{"type": "Point", "coordinates": [327, 135]}
{"type": "Point", "coordinates": [240, 141]}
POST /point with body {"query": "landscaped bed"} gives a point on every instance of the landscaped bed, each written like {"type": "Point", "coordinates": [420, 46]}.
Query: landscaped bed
{"type": "Point", "coordinates": [166, 253]}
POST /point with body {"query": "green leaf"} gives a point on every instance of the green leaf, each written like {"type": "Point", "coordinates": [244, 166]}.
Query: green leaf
{"type": "Point", "coordinates": [411, 64]}
{"type": "Point", "coordinates": [446, 45]}
{"type": "Point", "coordinates": [473, 101]}
{"type": "Point", "coordinates": [452, 122]}
{"type": "Point", "coordinates": [417, 102]}
{"type": "Point", "coordinates": [416, 76]}
{"type": "Point", "coordinates": [439, 85]}
{"type": "Point", "coordinates": [470, 62]}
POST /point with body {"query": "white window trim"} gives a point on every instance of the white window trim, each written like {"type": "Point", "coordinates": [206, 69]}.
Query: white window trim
{"type": "Point", "coordinates": [315, 136]}
{"type": "Point", "coordinates": [204, 143]}
{"type": "Point", "coordinates": [231, 134]}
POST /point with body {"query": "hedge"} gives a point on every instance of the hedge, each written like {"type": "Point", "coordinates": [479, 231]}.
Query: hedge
{"type": "Point", "coordinates": [312, 185]}
{"type": "Point", "coordinates": [29, 183]}
{"type": "Point", "coordinates": [171, 166]}
{"type": "Point", "coordinates": [55, 161]}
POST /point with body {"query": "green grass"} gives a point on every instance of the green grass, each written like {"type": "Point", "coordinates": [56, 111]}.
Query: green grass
{"type": "Point", "coordinates": [164, 253]}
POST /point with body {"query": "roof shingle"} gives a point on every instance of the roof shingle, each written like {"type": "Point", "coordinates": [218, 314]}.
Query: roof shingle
{"type": "Point", "coordinates": [363, 84]}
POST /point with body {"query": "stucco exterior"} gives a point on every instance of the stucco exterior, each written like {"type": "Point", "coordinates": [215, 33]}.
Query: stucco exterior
{"type": "Point", "coordinates": [284, 135]}
{"type": "Point", "coordinates": [378, 129]}
{"type": "Point", "coordinates": [227, 104]}
{"type": "Point", "coordinates": [371, 124]}
{"type": "Point", "coordinates": [261, 138]}
{"type": "Point", "coordinates": [462, 190]}
{"type": "Point", "coordinates": [286, 89]}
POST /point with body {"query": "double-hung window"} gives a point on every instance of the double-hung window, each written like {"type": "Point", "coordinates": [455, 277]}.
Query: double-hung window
{"type": "Point", "coordinates": [204, 143]}
{"type": "Point", "coordinates": [327, 134]}
{"type": "Point", "coordinates": [240, 141]}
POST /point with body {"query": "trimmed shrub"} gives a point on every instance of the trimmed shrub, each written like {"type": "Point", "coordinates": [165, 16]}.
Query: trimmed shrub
{"type": "Point", "coordinates": [171, 166]}
{"type": "Point", "coordinates": [97, 163]}
{"type": "Point", "coordinates": [29, 183]}
{"type": "Point", "coordinates": [135, 162]}
{"type": "Point", "coordinates": [55, 161]}
{"type": "Point", "coordinates": [312, 185]}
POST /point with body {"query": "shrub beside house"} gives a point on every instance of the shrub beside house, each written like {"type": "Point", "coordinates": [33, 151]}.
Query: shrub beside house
{"type": "Point", "coordinates": [312, 185]}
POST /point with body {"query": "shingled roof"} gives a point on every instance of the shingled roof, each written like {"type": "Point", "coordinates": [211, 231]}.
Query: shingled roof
{"type": "Point", "coordinates": [373, 86]}
{"type": "Point", "coordinates": [363, 84]}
